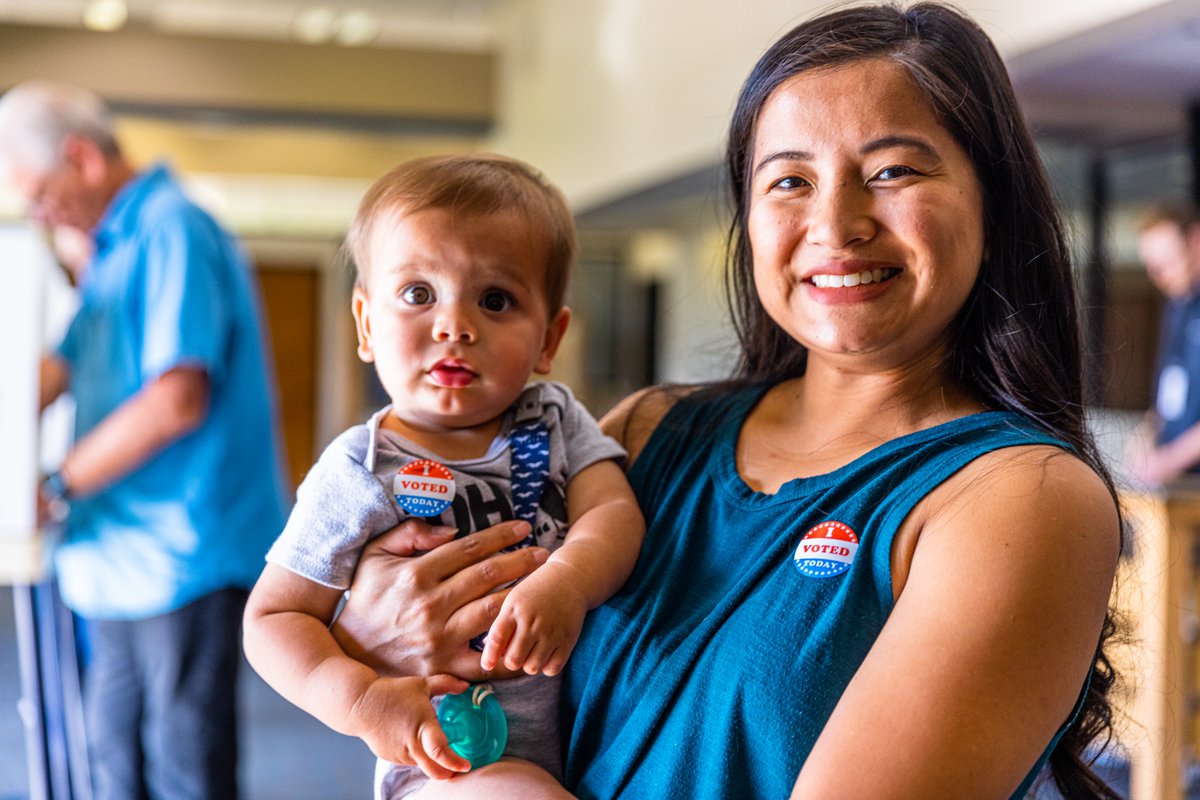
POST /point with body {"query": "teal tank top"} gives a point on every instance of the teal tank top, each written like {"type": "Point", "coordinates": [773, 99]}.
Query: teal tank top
{"type": "Point", "coordinates": [710, 675]}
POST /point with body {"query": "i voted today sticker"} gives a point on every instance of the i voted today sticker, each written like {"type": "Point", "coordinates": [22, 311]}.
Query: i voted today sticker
{"type": "Point", "coordinates": [424, 488]}
{"type": "Point", "coordinates": [826, 550]}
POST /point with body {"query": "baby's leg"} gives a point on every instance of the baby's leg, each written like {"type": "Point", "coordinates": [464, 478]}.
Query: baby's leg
{"type": "Point", "coordinates": [507, 778]}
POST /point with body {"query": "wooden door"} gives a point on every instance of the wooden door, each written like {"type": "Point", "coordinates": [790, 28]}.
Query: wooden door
{"type": "Point", "coordinates": [290, 296]}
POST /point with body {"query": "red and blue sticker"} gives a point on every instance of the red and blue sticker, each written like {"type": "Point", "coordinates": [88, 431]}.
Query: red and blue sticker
{"type": "Point", "coordinates": [424, 488]}
{"type": "Point", "coordinates": [828, 549]}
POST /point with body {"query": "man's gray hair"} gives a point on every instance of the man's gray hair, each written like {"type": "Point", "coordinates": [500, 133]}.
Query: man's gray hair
{"type": "Point", "coordinates": [36, 117]}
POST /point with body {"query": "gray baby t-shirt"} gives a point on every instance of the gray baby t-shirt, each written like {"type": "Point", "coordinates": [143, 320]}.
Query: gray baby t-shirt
{"type": "Point", "coordinates": [347, 499]}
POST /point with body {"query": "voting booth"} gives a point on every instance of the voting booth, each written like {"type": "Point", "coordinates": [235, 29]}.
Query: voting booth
{"type": "Point", "coordinates": [22, 550]}
{"type": "Point", "coordinates": [50, 702]}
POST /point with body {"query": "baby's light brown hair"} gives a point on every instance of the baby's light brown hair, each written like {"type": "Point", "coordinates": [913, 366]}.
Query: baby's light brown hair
{"type": "Point", "coordinates": [470, 185]}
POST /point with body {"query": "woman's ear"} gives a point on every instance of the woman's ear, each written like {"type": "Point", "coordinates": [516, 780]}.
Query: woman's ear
{"type": "Point", "coordinates": [552, 339]}
{"type": "Point", "coordinates": [360, 306]}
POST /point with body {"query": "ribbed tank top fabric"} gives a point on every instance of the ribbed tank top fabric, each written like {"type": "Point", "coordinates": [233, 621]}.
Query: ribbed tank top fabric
{"type": "Point", "coordinates": [711, 673]}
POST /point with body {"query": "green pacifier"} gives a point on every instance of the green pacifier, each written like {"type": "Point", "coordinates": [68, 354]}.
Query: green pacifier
{"type": "Point", "coordinates": [475, 724]}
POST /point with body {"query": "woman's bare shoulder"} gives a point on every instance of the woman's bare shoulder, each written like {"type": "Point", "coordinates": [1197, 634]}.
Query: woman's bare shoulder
{"type": "Point", "coordinates": [634, 419]}
{"type": "Point", "coordinates": [1043, 501]}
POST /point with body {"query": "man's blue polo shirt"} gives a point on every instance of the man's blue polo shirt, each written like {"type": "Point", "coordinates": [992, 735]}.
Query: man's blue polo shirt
{"type": "Point", "coordinates": [1177, 399]}
{"type": "Point", "coordinates": [167, 288]}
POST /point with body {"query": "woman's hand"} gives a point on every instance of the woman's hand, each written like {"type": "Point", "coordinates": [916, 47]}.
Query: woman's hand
{"type": "Point", "coordinates": [419, 596]}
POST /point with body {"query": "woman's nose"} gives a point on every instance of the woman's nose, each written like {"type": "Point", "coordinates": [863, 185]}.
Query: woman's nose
{"type": "Point", "coordinates": [454, 324]}
{"type": "Point", "coordinates": [839, 217]}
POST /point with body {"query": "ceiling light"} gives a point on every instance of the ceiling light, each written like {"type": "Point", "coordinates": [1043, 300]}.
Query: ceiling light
{"type": "Point", "coordinates": [315, 25]}
{"type": "Point", "coordinates": [105, 15]}
{"type": "Point", "coordinates": [357, 28]}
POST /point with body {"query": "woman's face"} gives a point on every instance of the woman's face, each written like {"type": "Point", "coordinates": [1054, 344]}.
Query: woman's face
{"type": "Point", "coordinates": [865, 216]}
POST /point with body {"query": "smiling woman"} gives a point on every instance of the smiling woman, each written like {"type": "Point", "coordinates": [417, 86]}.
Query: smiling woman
{"type": "Point", "coordinates": [853, 176]}
{"type": "Point", "coordinates": [878, 559]}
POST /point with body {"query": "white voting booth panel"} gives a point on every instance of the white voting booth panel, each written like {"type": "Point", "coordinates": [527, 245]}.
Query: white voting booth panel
{"type": "Point", "coordinates": [22, 276]}
{"type": "Point", "coordinates": [51, 713]}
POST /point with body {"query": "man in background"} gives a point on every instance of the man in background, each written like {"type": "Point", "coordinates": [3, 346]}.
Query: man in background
{"type": "Point", "coordinates": [173, 484]}
{"type": "Point", "coordinates": [1169, 247]}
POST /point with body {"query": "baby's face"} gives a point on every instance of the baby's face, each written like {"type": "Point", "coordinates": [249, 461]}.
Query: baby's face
{"type": "Point", "coordinates": [453, 312]}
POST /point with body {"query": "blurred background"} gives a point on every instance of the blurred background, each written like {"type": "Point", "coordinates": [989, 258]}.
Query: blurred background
{"type": "Point", "coordinates": [279, 114]}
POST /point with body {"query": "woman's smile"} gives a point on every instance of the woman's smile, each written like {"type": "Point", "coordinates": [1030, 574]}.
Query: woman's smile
{"type": "Point", "coordinates": [834, 283]}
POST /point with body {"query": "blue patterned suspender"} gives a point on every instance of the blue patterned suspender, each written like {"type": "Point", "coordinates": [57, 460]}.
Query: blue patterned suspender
{"type": "Point", "coordinates": [529, 448]}
{"type": "Point", "coordinates": [530, 453]}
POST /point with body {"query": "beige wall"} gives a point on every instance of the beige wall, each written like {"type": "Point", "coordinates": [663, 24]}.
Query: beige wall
{"type": "Point", "coordinates": [611, 96]}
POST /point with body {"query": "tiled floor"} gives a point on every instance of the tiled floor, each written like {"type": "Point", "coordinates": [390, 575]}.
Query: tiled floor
{"type": "Point", "coordinates": [286, 754]}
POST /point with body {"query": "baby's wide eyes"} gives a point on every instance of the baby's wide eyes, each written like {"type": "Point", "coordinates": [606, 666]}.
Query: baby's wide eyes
{"type": "Point", "coordinates": [418, 294]}
{"type": "Point", "coordinates": [496, 300]}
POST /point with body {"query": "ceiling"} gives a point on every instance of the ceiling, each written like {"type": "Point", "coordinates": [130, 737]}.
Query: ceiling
{"type": "Point", "coordinates": [1125, 82]}
{"type": "Point", "coordinates": [450, 24]}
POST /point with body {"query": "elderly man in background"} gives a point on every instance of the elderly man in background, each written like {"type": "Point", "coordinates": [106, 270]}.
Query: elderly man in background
{"type": "Point", "coordinates": [1169, 248]}
{"type": "Point", "coordinates": [173, 485]}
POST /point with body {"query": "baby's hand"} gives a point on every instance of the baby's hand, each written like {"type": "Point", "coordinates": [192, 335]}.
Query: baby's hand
{"type": "Point", "coordinates": [399, 724]}
{"type": "Point", "coordinates": [538, 624]}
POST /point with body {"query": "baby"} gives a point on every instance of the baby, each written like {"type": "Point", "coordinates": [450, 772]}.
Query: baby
{"type": "Point", "coordinates": [462, 266]}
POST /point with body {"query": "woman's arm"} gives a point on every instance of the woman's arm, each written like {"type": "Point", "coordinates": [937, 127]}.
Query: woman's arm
{"type": "Point", "coordinates": [1004, 577]}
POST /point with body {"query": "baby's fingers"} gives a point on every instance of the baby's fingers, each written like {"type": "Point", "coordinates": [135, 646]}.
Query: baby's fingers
{"type": "Point", "coordinates": [520, 648]}
{"type": "Point", "coordinates": [445, 684]}
{"type": "Point", "coordinates": [434, 755]}
{"type": "Point", "coordinates": [539, 655]}
{"type": "Point", "coordinates": [555, 663]}
{"type": "Point", "coordinates": [497, 640]}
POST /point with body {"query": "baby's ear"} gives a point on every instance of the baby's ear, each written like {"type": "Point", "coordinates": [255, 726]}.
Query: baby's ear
{"type": "Point", "coordinates": [361, 308]}
{"type": "Point", "coordinates": [552, 339]}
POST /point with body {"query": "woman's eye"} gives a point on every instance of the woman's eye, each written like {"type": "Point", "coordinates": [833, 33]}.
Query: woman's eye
{"type": "Point", "coordinates": [417, 295]}
{"type": "Point", "coordinates": [789, 182]}
{"type": "Point", "coordinates": [496, 300]}
{"type": "Point", "coordinates": [894, 173]}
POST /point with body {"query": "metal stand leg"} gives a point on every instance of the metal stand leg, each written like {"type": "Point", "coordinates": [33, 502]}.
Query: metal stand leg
{"type": "Point", "coordinates": [32, 712]}
{"type": "Point", "coordinates": [51, 708]}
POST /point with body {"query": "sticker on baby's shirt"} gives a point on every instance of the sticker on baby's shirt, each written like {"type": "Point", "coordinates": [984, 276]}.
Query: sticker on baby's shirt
{"type": "Point", "coordinates": [424, 488]}
{"type": "Point", "coordinates": [828, 549]}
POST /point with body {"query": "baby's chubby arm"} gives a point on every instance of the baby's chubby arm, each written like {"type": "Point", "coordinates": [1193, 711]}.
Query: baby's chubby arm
{"type": "Point", "coordinates": [540, 620]}
{"type": "Point", "coordinates": [288, 643]}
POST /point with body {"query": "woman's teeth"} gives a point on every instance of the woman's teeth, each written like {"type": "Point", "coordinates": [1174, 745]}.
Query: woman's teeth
{"type": "Point", "coordinates": [853, 279]}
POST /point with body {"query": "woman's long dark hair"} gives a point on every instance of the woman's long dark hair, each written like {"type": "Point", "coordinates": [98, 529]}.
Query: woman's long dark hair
{"type": "Point", "coordinates": [1016, 341]}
